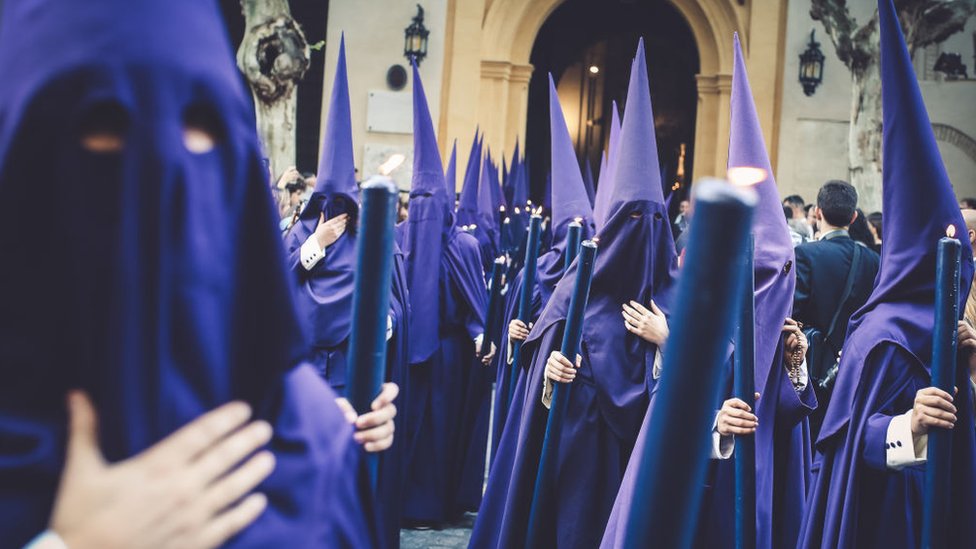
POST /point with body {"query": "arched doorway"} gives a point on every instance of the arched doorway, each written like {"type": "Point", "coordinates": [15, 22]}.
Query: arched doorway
{"type": "Point", "coordinates": [587, 46]}
{"type": "Point", "coordinates": [508, 30]}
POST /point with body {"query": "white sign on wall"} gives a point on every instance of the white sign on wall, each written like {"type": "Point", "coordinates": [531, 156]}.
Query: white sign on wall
{"type": "Point", "coordinates": [389, 112]}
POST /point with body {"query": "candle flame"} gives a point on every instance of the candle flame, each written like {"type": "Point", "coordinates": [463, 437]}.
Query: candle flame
{"type": "Point", "coordinates": [596, 239]}
{"type": "Point", "coordinates": [746, 176]}
{"type": "Point", "coordinates": [507, 220]}
{"type": "Point", "coordinates": [501, 208]}
{"type": "Point", "coordinates": [517, 210]}
{"type": "Point", "coordinates": [578, 220]}
{"type": "Point", "coordinates": [391, 163]}
{"type": "Point", "coordinates": [951, 231]}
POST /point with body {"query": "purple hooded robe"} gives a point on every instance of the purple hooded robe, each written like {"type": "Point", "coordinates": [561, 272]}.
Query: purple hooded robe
{"type": "Point", "coordinates": [856, 500]}
{"type": "Point", "coordinates": [447, 297]}
{"type": "Point", "coordinates": [169, 296]}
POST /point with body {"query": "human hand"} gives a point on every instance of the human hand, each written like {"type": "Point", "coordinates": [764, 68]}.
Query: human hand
{"type": "Point", "coordinates": [796, 342]}
{"type": "Point", "coordinates": [327, 232]}
{"type": "Point", "coordinates": [559, 368]}
{"type": "Point", "coordinates": [650, 325]}
{"type": "Point", "coordinates": [736, 418]}
{"type": "Point", "coordinates": [290, 175]}
{"type": "Point", "coordinates": [518, 331]}
{"type": "Point", "coordinates": [374, 430]}
{"type": "Point", "coordinates": [933, 408]}
{"type": "Point", "coordinates": [486, 360]}
{"type": "Point", "coordinates": [183, 492]}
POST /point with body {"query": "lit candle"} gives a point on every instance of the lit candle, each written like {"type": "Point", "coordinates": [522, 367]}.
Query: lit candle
{"type": "Point", "coordinates": [572, 333]}
{"type": "Point", "coordinates": [371, 299]}
{"type": "Point", "coordinates": [573, 236]}
{"type": "Point", "coordinates": [944, 372]}
{"type": "Point", "coordinates": [525, 297]}
{"type": "Point", "coordinates": [664, 509]}
{"type": "Point", "coordinates": [494, 304]}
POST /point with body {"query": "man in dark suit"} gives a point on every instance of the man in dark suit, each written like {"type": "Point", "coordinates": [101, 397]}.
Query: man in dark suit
{"type": "Point", "coordinates": [822, 270]}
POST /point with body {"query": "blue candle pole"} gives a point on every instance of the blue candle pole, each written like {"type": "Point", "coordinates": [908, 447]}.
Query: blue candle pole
{"type": "Point", "coordinates": [572, 332]}
{"type": "Point", "coordinates": [371, 300]}
{"type": "Point", "coordinates": [573, 236]}
{"type": "Point", "coordinates": [525, 297]}
{"type": "Point", "coordinates": [494, 304]}
{"type": "Point", "coordinates": [744, 364]}
{"type": "Point", "coordinates": [665, 505]}
{"type": "Point", "coordinates": [944, 341]}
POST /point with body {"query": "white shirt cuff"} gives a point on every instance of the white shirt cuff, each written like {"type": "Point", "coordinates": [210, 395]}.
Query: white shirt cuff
{"type": "Point", "coordinates": [722, 446]}
{"type": "Point", "coordinates": [389, 327]}
{"type": "Point", "coordinates": [658, 364]}
{"type": "Point", "coordinates": [902, 448]}
{"type": "Point", "coordinates": [47, 539]}
{"type": "Point", "coordinates": [311, 253]}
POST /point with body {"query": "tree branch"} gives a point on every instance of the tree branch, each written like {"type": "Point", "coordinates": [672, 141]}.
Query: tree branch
{"type": "Point", "coordinates": [855, 46]}
{"type": "Point", "coordinates": [932, 21]}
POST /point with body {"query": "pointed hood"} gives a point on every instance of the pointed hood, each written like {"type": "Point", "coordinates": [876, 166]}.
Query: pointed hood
{"type": "Point", "coordinates": [336, 178]}
{"type": "Point", "coordinates": [450, 176]}
{"type": "Point", "coordinates": [916, 190]}
{"type": "Point", "coordinates": [467, 210]}
{"type": "Point", "coordinates": [775, 277]}
{"type": "Point", "coordinates": [605, 185]}
{"type": "Point", "coordinates": [918, 199]}
{"type": "Point", "coordinates": [588, 180]}
{"type": "Point", "coordinates": [512, 178]}
{"type": "Point", "coordinates": [569, 200]}
{"type": "Point", "coordinates": [487, 211]}
{"type": "Point", "coordinates": [497, 195]}
{"type": "Point", "coordinates": [427, 228]}
{"type": "Point", "coordinates": [634, 168]}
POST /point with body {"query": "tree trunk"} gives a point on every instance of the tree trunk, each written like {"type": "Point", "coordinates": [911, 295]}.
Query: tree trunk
{"type": "Point", "coordinates": [864, 145]}
{"type": "Point", "coordinates": [273, 57]}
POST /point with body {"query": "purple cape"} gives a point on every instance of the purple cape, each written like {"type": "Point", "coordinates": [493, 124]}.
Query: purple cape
{"type": "Point", "coordinates": [170, 296]}
{"type": "Point", "coordinates": [856, 501]}
{"type": "Point", "coordinates": [437, 405]}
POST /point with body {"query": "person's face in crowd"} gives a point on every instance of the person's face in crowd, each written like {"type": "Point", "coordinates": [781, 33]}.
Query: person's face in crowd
{"type": "Point", "coordinates": [683, 207]}
{"type": "Point", "coordinates": [812, 217]}
{"type": "Point", "coordinates": [798, 212]}
{"type": "Point", "coordinates": [295, 197]}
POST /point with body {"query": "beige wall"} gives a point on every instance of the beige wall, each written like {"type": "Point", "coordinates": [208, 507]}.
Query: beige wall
{"type": "Point", "coordinates": [814, 130]}
{"type": "Point", "coordinates": [374, 42]}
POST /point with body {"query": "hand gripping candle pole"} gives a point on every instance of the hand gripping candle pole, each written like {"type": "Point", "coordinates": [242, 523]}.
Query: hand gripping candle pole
{"type": "Point", "coordinates": [744, 364]}
{"type": "Point", "coordinates": [944, 370]}
{"type": "Point", "coordinates": [371, 299]}
{"type": "Point", "coordinates": [573, 236]}
{"type": "Point", "coordinates": [663, 512]}
{"type": "Point", "coordinates": [572, 332]}
{"type": "Point", "coordinates": [494, 304]}
{"type": "Point", "coordinates": [525, 297]}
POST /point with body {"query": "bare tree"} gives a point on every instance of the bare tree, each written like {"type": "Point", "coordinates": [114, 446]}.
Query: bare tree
{"type": "Point", "coordinates": [924, 22]}
{"type": "Point", "coordinates": [273, 56]}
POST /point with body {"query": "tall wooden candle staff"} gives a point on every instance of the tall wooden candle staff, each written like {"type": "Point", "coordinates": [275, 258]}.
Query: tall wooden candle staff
{"type": "Point", "coordinates": [525, 298]}
{"type": "Point", "coordinates": [663, 512]}
{"type": "Point", "coordinates": [572, 332]}
{"type": "Point", "coordinates": [944, 340]}
{"type": "Point", "coordinates": [494, 304]}
{"type": "Point", "coordinates": [371, 299]}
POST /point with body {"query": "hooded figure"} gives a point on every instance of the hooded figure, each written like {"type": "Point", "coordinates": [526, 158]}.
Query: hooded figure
{"type": "Point", "coordinates": [570, 203]}
{"type": "Point", "coordinates": [782, 437]}
{"type": "Point", "coordinates": [604, 186]}
{"type": "Point", "coordinates": [869, 469]}
{"type": "Point", "coordinates": [588, 180]}
{"type": "Point", "coordinates": [325, 280]}
{"type": "Point", "coordinates": [607, 402]}
{"type": "Point", "coordinates": [447, 300]}
{"type": "Point", "coordinates": [170, 295]}
{"type": "Point", "coordinates": [469, 205]}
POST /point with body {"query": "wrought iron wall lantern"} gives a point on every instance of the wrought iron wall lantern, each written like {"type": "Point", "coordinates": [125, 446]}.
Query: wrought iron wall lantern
{"type": "Point", "coordinates": [811, 66]}
{"type": "Point", "coordinates": [415, 38]}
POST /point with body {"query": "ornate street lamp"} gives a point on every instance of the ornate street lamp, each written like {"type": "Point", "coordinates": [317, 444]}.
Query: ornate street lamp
{"type": "Point", "coordinates": [811, 66]}
{"type": "Point", "coordinates": [415, 38]}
